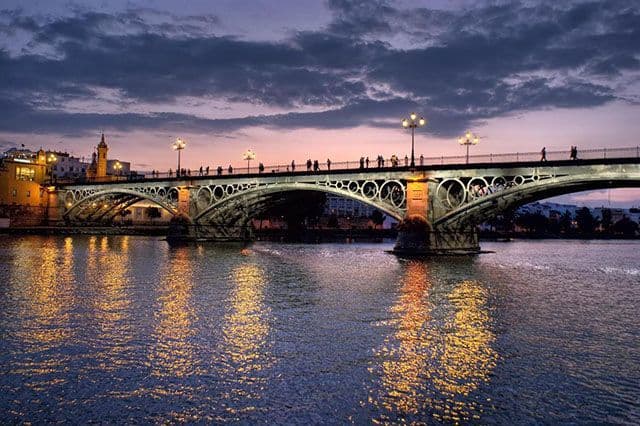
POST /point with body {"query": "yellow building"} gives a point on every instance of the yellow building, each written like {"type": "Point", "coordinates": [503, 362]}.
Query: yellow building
{"type": "Point", "coordinates": [20, 180]}
{"type": "Point", "coordinates": [23, 199]}
{"type": "Point", "coordinates": [98, 168]}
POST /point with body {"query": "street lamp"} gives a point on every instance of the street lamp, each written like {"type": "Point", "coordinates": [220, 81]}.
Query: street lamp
{"type": "Point", "coordinates": [118, 168]}
{"type": "Point", "coordinates": [51, 158]}
{"type": "Point", "coordinates": [179, 145]}
{"type": "Point", "coordinates": [468, 139]}
{"type": "Point", "coordinates": [249, 155]}
{"type": "Point", "coordinates": [413, 122]}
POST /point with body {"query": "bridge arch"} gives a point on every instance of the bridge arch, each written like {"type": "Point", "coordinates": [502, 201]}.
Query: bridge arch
{"type": "Point", "coordinates": [125, 198]}
{"type": "Point", "coordinates": [481, 209]}
{"type": "Point", "coordinates": [257, 199]}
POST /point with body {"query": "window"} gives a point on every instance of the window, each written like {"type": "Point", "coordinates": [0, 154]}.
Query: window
{"type": "Point", "coordinates": [28, 193]}
{"type": "Point", "coordinates": [25, 173]}
{"type": "Point", "coordinates": [14, 192]}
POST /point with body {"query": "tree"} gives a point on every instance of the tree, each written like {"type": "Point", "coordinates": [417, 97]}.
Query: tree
{"type": "Point", "coordinates": [533, 222]}
{"type": "Point", "coordinates": [606, 220]}
{"type": "Point", "coordinates": [586, 222]}
{"type": "Point", "coordinates": [565, 222]}
{"type": "Point", "coordinates": [625, 226]}
{"type": "Point", "coordinates": [377, 218]}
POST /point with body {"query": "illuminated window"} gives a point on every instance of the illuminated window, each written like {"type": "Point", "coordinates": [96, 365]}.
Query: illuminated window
{"type": "Point", "coordinates": [25, 173]}
{"type": "Point", "coordinates": [28, 193]}
{"type": "Point", "coordinates": [14, 192]}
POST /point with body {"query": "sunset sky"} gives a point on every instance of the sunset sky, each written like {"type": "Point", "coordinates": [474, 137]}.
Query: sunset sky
{"type": "Point", "coordinates": [298, 79]}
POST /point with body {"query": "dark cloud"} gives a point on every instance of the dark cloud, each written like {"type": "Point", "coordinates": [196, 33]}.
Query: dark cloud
{"type": "Point", "coordinates": [458, 66]}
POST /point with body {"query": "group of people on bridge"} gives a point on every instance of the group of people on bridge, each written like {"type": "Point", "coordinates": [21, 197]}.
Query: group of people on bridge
{"type": "Point", "coordinates": [312, 166]}
{"type": "Point", "coordinates": [573, 153]}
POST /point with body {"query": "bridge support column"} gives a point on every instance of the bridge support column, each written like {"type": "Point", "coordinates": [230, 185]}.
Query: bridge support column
{"type": "Point", "coordinates": [55, 208]}
{"type": "Point", "coordinates": [416, 236]}
{"type": "Point", "coordinates": [181, 228]}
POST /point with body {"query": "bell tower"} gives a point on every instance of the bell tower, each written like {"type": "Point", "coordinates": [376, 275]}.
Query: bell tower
{"type": "Point", "coordinates": [101, 170]}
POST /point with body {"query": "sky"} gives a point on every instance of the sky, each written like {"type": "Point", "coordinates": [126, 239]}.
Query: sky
{"type": "Point", "coordinates": [298, 79]}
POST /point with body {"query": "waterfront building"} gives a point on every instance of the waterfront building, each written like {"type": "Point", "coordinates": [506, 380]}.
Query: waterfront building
{"type": "Point", "coordinates": [67, 166]}
{"type": "Point", "coordinates": [98, 167]}
{"type": "Point", "coordinates": [23, 199]}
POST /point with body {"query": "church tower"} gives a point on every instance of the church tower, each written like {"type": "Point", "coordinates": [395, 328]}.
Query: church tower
{"type": "Point", "coordinates": [101, 170]}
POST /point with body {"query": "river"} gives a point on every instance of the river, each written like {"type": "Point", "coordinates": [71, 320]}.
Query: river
{"type": "Point", "coordinates": [126, 329]}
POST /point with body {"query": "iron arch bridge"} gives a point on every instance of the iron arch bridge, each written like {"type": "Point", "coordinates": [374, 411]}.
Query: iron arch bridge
{"type": "Point", "coordinates": [453, 198]}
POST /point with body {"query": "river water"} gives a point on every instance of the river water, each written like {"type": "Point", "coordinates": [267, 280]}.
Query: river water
{"type": "Point", "coordinates": [126, 329]}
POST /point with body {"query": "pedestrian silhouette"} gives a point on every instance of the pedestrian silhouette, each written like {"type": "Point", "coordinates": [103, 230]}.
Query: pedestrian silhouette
{"type": "Point", "coordinates": [230, 169]}
{"type": "Point", "coordinates": [328, 164]}
{"type": "Point", "coordinates": [543, 153]}
{"type": "Point", "coordinates": [309, 164]}
{"type": "Point", "coordinates": [293, 166]}
{"type": "Point", "coordinates": [367, 162]}
{"type": "Point", "coordinates": [421, 160]}
{"type": "Point", "coordinates": [406, 161]}
{"type": "Point", "coordinates": [362, 162]}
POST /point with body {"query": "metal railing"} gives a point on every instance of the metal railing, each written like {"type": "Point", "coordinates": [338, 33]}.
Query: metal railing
{"type": "Point", "coordinates": [388, 163]}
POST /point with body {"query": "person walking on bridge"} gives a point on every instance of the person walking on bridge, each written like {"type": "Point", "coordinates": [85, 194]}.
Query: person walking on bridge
{"type": "Point", "coordinates": [543, 153]}
{"type": "Point", "coordinates": [293, 165]}
{"type": "Point", "coordinates": [328, 165]}
{"type": "Point", "coordinates": [308, 164]}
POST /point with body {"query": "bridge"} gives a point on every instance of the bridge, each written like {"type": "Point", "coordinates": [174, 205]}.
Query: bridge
{"type": "Point", "coordinates": [446, 197]}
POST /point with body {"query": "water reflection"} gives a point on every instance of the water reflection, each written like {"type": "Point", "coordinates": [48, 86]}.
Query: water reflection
{"type": "Point", "coordinates": [108, 269]}
{"type": "Point", "coordinates": [245, 331]}
{"type": "Point", "coordinates": [440, 352]}
{"type": "Point", "coordinates": [51, 294]}
{"type": "Point", "coordinates": [175, 353]}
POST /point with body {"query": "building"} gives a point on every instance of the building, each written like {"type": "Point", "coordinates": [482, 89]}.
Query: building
{"type": "Point", "coordinates": [23, 199]}
{"type": "Point", "coordinates": [98, 168]}
{"type": "Point", "coordinates": [347, 207]}
{"type": "Point", "coordinates": [68, 167]}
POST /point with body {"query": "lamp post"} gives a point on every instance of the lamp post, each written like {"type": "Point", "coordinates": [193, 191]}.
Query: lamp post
{"type": "Point", "coordinates": [179, 145]}
{"type": "Point", "coordinates": [118, 168]}
{"type": "Point", "coordinates": [249, 155]}
{"type": "Point", "coordinates": [51, 159]}
{"type": "Point", "coordinates": [468, 139]}
{"type": "Point", "coordinates": [413, 122]}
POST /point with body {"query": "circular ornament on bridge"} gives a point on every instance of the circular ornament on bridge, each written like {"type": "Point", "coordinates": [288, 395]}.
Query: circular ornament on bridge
{"type": "Point", "coordinates": [477, 187]}
{"type": "Point", "coordinates": [172, 195]}
{"type": "Point", "coordinates": [339, 184]}
{"type": "Point", "coordinates": [518, 180]}
{"type": "Point", "coordinates": [353, 186]}
{"type": "Point", "coordinates": [393, 192]}
{"type": "Point", "coordinates": [69, 198]}
{"type": "Point", "coordinates": [162, 193]}
{"type": "Point", "coordinates": [203, 197]}
{"type": "Point", "coordinates": [498, 183]}
{"type": "Point", "coordinates": [369, 189]}
{"type": "Point", "coordinates": [218, 193]}
{"type": "Point", "coordinates": [451, 193]}
{"type": "Point", "coordinates": [230, 189]}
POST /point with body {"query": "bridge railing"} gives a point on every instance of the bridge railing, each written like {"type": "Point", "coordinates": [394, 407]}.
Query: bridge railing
{"type": "Point", "coordinates": [388, 163]}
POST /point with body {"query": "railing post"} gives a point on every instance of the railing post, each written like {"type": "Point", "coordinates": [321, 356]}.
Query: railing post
{"type": "Point", "coordinates": [491, 158]}
{"type": "Point", "coordinates": [517, 157]}
{"type": "Point", "coordinates": [605, 153]}
{"type": "Point", "coordinates": [442, 159]}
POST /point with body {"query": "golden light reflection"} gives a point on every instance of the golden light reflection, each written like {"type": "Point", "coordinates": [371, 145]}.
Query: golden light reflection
{"type": "Point", "coordinates": [439, 354]}
{"type": "Point", "coordinates": [51, 293]}
{"type": "Point", "coordinates": [108, 274]}
{"type": "Point", "coordinates": [245, 332]}
{"type": "Point", "coordinates": [175, 354]}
